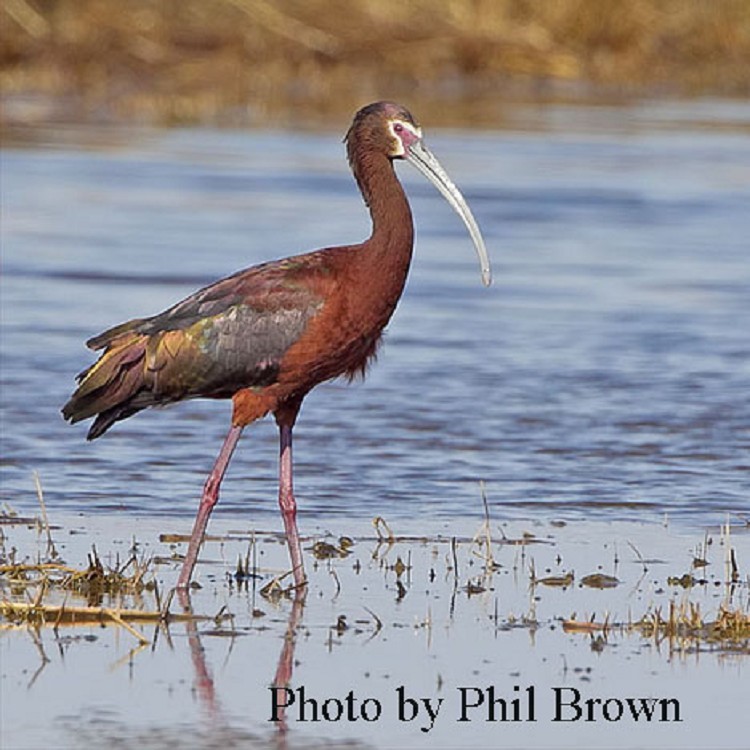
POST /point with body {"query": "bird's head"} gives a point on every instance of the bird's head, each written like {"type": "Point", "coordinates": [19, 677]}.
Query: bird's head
{"type": "Point", "coordinates": [391, 130]}
{"type": "Point", "coordinates": [383, 127]}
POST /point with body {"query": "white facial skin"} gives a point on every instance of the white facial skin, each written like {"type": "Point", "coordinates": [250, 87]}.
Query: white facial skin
{"type": "Point", "coordinates": [404, 135]}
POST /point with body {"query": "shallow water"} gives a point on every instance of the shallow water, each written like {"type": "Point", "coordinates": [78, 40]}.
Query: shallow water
{"type": "Point", "coordinates": [601, 381]}
{"type": "Point", "coordinates": [605, 372]}
{"type": "Point", "coordinates": [424, 631]}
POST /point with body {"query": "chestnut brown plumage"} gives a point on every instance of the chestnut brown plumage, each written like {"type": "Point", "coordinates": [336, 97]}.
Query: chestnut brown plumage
{"type": "Point", "coordinates": [267, 335]}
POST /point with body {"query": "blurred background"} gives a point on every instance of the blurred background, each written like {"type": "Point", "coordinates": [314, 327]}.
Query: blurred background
{"type": "Point", "coordinates": [304, 63]}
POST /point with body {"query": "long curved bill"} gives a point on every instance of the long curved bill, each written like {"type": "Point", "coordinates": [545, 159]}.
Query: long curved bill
{"type": "Point", "coordinates": [421, 157]}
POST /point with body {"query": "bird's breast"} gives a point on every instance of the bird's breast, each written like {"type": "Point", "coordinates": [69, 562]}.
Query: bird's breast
{"type": "Point", "coordinates": [341, 339]}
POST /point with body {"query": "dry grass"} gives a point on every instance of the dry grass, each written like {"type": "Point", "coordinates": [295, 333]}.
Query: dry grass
{"type": "Point", "coordinates": [684, 625]}
{"type": "Point", "coordinates": [249, 61]}
{"type": "Point", "coordinates": [35, 589]}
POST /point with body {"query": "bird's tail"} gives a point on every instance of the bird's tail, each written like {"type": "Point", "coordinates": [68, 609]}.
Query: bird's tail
{"type": "Point", "coordinates": [113, 388]}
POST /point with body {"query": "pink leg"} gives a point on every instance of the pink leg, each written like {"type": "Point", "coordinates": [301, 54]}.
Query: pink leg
{"type": "Point", "coordinates": [208, 500]}
{"type": "Point", "coordinates": [288, 504]}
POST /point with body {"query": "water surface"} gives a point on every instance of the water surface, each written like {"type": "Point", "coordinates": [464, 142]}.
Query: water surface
{"type": "Point", "coordinates": [599, 389]}
{"type": "Point", "coordinates": [605, 372]}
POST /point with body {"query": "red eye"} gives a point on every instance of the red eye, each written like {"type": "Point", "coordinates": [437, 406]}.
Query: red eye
{"type": "Point", "coordinates": [398, 128]}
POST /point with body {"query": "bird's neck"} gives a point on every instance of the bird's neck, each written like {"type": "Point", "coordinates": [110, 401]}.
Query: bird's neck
{"type": "Point", "coordinates": [387, 254]}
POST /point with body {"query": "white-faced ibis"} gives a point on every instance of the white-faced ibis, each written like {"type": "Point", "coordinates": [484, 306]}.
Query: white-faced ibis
{"type": "Point", "coordinates": [266, 336]}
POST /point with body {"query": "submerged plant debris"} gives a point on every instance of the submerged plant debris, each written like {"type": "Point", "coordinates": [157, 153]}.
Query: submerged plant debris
{"type": "Point", "coordinates": [49, 592]}
{"type": "Point", "coordinates": [452, 592]}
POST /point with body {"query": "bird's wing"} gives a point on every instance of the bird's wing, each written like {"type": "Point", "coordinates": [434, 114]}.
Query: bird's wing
{"type": "Point", "coordinates": [232, 334]}
{"type": "Point", "coordinates": [265, 288]}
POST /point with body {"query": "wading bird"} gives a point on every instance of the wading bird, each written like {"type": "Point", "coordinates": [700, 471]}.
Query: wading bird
{"type": "Point", "coordinates": [266, 336]}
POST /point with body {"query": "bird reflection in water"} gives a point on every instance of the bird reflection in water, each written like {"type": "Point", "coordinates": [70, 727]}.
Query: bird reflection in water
{"type": "Point", "coordinates": [204, 681]}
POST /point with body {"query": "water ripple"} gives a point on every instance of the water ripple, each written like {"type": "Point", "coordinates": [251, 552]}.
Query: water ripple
{"type": "Point", "coordinates": [605, 374]}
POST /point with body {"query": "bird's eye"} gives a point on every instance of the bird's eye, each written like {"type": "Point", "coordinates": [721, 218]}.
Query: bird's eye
{"type": "Point", "coordinates": [398, 128]}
